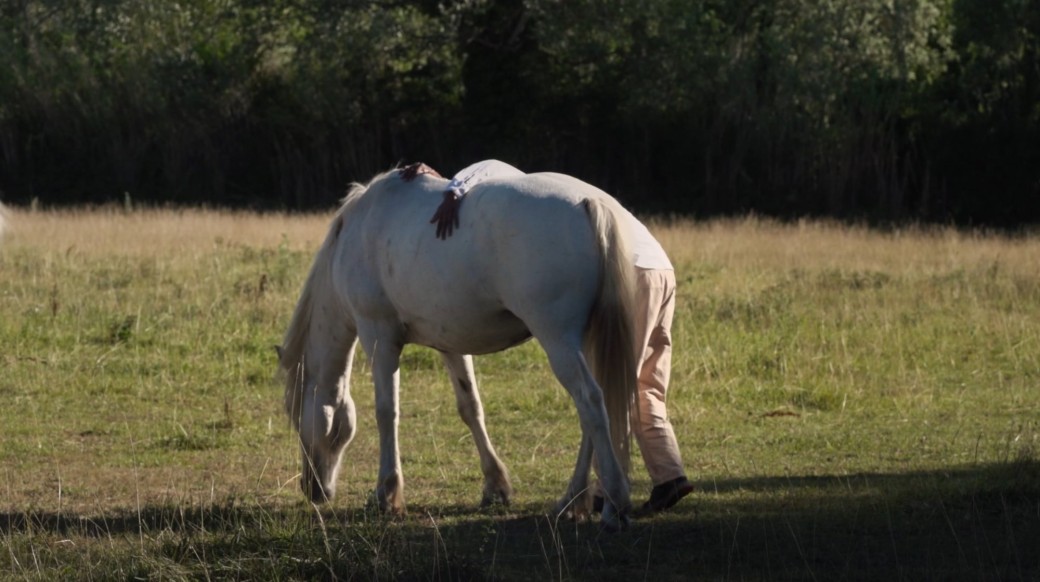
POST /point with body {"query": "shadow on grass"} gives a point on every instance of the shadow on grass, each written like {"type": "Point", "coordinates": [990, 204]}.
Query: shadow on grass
{"type": "Point", "coordinates": [980, 522]}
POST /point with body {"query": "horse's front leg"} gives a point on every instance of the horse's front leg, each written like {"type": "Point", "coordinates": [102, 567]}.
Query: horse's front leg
{"type": "Point", "coordinates": [497, 487]}
{"type": "Point", "coordinates": [385, 356]}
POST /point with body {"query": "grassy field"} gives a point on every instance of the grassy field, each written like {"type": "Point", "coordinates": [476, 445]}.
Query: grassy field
{"type": "Point", "coordinates": [852, 404]}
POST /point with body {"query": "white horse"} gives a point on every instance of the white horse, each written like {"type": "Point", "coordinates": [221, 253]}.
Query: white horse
{"type": "Point", "coordinates": [542, 254]}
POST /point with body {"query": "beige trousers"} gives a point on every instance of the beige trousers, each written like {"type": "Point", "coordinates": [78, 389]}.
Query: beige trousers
{"type": "Point", "coordinates": [655, 308]}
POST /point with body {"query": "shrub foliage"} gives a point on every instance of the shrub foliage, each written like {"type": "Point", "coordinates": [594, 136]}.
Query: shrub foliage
{"type": "Point", "coordinates": [878, 109]}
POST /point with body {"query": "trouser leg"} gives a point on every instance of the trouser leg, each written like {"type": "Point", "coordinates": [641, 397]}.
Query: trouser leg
{"type": "Point", "coordinates": [650, 424]}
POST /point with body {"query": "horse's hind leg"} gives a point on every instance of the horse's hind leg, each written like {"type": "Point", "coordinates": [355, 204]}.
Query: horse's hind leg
{"type": "Point", "coordinates": [569, 366]}
{"type": "Point", "coordinates": [575, 501]}
{"type": "Point", "coordinates": [467, 398]}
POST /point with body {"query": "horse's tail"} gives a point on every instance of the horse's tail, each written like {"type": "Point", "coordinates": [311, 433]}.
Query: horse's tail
{"type": "Point", "coordinates": [609, 336]}
{"type": "Point", "coordinates": [290, 353]}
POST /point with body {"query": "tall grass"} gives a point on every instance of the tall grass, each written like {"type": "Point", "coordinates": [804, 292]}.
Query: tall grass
{"type": "Point", "coordinates": [851, 403]}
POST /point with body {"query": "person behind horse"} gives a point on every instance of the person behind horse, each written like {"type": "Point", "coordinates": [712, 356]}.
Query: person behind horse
{"type": "Point", "coordinates": [655, 289]}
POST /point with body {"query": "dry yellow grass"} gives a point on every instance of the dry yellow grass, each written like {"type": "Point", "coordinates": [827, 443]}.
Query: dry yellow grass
{"type": "Point", "coordinates": [157, 232]}
{"type": "Point", "coordinates": [745, 244]}
{"type": "Point", "coordinates": [3, 221]}
{"type": "Point", "coordinates": [758, 244]}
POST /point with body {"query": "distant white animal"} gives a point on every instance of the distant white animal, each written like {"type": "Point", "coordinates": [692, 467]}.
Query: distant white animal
{"type": "Point", "coordinates": [543, 255]}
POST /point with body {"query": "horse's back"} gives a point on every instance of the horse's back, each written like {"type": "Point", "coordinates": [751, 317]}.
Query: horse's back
{"type": "Point", "coordinates": [533, 236]}
{"type": "Point", "coordinates": [524, 248]}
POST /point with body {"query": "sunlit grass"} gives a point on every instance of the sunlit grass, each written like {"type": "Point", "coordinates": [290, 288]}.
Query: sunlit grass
{"type": "Point", "coordinates": [851, 403]}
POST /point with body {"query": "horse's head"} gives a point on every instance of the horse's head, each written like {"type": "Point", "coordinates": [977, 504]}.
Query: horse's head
{"type": "Point", "coordinates": [315, 358]}
{"type": "Point", "coordinates": [323, 416]}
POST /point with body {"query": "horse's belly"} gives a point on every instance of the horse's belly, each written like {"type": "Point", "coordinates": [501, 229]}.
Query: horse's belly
{"type": "Point", "coordinates": [469, 334]}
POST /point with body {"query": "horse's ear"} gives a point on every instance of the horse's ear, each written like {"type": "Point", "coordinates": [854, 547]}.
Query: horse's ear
{"type": "Point", "coordinates": [278, 350]}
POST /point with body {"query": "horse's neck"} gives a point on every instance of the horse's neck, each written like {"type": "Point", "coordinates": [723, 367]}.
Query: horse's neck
{"type": "Point", "coordinates": [330, 337]}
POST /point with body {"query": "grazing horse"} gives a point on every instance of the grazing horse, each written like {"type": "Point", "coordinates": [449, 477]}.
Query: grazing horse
{"type": "Point", "coordinates": [542, 255]}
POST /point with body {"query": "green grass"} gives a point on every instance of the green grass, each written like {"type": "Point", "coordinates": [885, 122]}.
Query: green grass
{"type": "Point", "coordinates": [851, 404]}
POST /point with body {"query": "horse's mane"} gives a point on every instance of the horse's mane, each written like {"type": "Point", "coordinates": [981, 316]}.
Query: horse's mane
{"type": "Point", "coordinates": [357, 190]}
{"type": "Point", "coordinates": [290, 353]}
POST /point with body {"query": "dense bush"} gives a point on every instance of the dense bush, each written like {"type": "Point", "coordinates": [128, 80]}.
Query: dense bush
{"type": "Point", "coordinates": [884, 109]}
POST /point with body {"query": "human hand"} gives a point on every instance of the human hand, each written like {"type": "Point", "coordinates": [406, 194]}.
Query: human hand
{"type": "Point", "coordinates": [409, 173]}
{"type": "Point", "coordinates": [447, 215]}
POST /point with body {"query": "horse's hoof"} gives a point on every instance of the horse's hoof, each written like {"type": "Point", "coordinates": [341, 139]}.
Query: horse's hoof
{"type": "Point", "coordinates": [575, 509]}
{"type": "Point", "coordinates": [383, 506]}
{"type": "Point", "coordinates": [569, 514]}
{"type": "Point", "coordinates": [491, 498]}
{"type": "Point", "coordinates": [614, 521]}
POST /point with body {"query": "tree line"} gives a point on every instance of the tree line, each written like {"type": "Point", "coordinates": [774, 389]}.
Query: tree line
{"type": "Point", "coordinates": [884, 110]}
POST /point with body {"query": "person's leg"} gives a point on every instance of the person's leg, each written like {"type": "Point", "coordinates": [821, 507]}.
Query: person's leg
{"type": "Point", "coordinates": [650, 424]}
